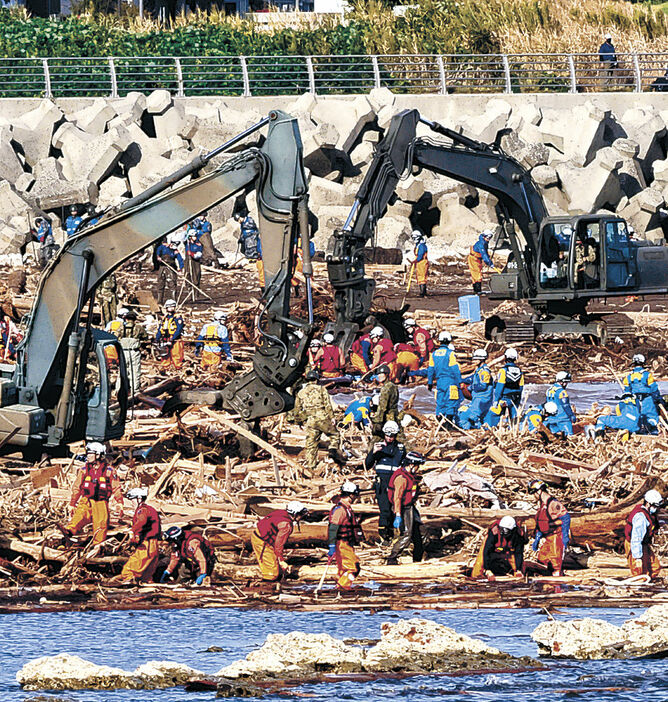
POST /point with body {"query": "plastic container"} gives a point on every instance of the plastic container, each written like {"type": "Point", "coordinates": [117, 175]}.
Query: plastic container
{"type": "Point", "coordinates": [469, 308]}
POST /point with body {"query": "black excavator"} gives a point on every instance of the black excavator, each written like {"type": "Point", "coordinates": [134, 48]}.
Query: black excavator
{"type": "Point", "coordinates": [556, 264]}
{"type": "Point", "coordinates": [62, 389]}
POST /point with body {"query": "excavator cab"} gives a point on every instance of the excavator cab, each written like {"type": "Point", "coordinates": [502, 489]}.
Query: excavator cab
{"type": "Point", "coordinates": [104, 389]}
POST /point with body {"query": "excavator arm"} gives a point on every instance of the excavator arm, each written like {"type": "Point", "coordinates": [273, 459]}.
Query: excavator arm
{"type": "Point", "coordinates": [52, 359]}
{"type": "Point", "coordinates": [401, 153]}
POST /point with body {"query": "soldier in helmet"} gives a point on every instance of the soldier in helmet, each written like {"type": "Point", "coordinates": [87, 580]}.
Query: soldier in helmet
{"type": "Point", "coordinates": [384, 458]}
{"type": "Point", "coordinates": [388, 402]}
{"type": "Point", "coordinates": [313, 408]}
{"type": "Point", "coordinates": [108, 299]}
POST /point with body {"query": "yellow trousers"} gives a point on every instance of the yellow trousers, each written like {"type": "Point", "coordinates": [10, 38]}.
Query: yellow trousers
{"type": "Point", "coordinates": [348, 565]}
{"type": "Point", "coordinates": [87, 511]}
{"type": "Point", "coordinates": [260, 271]}
{"type": "Point", "coordinates": [358, 363]}
{"type": "Point", "coordinates": [650, 563]}
{"type": "Point", "coordinates": [142, 563]}
{"type": "Point", "coordinates": [421, 271]}
{"type": "Point", "coordinates": [475, 268]}
{"type": "Point", "coordinates": [175, 358]}
{"type": "Point", "coordinates": [479, 565]}
{"type": "Point", "coordinates": [210, 360]}
{"type": "Point", "coordinates": [266, 558]}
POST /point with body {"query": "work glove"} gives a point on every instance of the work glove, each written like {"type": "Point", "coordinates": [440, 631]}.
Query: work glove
{"type": "Point", "coordinates": [490, 576]}
{"type": "Point", "coordinates": [283, 565]}
{"type": "Point", "coordinates": [397, 522]}
{"type": "Point", "coordinates": [200, 579]}
{"type": "Point", "coordinates": [165, 575]}
{"type": "Point", "coordinates": [536, 541]}
{"type": "Point", "coordinates": [331, 551]}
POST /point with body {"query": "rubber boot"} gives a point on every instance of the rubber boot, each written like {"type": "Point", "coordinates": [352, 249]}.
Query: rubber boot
{"type": "Point", "coordinates": [423, 290]}
{"type": "Point", "coordinates": [477, 288]}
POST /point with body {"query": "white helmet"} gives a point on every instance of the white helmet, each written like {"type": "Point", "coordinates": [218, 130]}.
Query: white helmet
{"type": "Point", "coordinates": [390, 428]}
{"type": "Point", "coordinates": [377, 332]}
{"type": "Point", "coordinates": [138, 493]}
{"type": "Point", "coordinates": [220, 316]}
{"type": "Point", "coordinates": [123, 312]}
{"type": "Point", "coordinates": [349, 488]}
{"type": "Point", "coordinates": [639, 359]}
{"type": "Point", "coordinates": [96, 447]}
{"type": "Point", "coordinates": [510, 354]}
{"type": "Point", "coordinates": [567, 231]}
{"type": "Point", "coordinates": [171, 303]}
{"type": "Point", "coordinates": [315, 342]}
{"type": "Point", "coordinates": [563, 377]}
{"type": "Point", "coordinates": [550, 408]}
{"type": "Point", "coordinates": [444, 337]}
{"type": "Point", "coordinates": [408, 323]}
{"type": "Point", "coordinates": [488, 234]}
{"type": "Point", "coordinates": [328, 338]}
{"type": "Point", "coordinates": [295, 507]}
{"type": "Point", "coordinates": [480, 355]}
{"type": "Point", "coordinates": [631, 230]}
{"type": "Point", "coordinates": [416, 235]}
{"type": "Point", "coordinates": [507, 522]}
{"type": "Point", "coordinates": [653, 497]}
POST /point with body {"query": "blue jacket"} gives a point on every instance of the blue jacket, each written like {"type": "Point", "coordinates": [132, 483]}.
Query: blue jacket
{"type": "Point", "coordinates": [641, 382]}
{"type": "Point", "coordinates": [420, 252]}
{"type": "Point", "coordinates": [214, 337]}
{"type": "Point", "coordinates": [481, 382]}
{"type": "Point", "coordinates": [358, 411]}
{"type": "Point", "coordinates": [606, 52]}
{"type": "Point", "coordinates": [509, 384]}
{"type": "Point", "coordinates": [481, 247]}
{"type": "Point", "coordinates": [167, 254]}
{"type": "Point", "coordinates": [532, 419]}
{"type": "Point", "coordinates": [193, 248]}
{"type": "Point", "coordinates": [71, 224]}
{"type": "Point", "coordinates": [443, 368]}
{"type": "Point", "coordinates": [205, 226]}
{"type": "Point", "coordinates": [43, 232]}
{"type": "Point", "coordinates": [558, 395]}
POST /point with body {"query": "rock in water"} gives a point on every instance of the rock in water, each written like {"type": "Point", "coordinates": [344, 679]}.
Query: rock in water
{"type": "Point", "coordinates": [595, 639]}
{"type": "Point", "coordinates": [67, 672]}
{"type": "Point", "coordinates": [410, 645]}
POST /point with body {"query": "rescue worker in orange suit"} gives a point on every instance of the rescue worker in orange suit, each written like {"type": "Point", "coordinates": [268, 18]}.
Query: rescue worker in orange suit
{"type": "Point", "coordinates": [502, 552]}
{"type": "Point", "coordinates": [407, 363]}
{"type": "Point", "coordinates": [270, 536]}
{"type": "Point", "coordinates": [382, 350]}
{"type": "Point", "coordinates": [314, 354]}
{"type": "Point", "coordinates": [146, 531]}
{"type": "Point", "coordinates": [479, 254]}
{"type": "Point", "coordinates": [553, 528]}
{"type": "Point", "coordinates": [190, 552]}
{"type": "Point", "coordinates": [360, 353]}
{"type": "Point", "coordinates": [402, 492]}
{"type": "Point", "coordinates": [94, 485]}
{"type": "Point", "coordinates": [343, 534]}
{"type": "Point", "coordinates": [332, 360]}
{"type": "Point", "coordinates": [640, 527]}
{"type": "Point", "coordinates": [420, 339]}
{"type": "Point", "coordinates": [169, 333]}
{"type": "Point", "coordinates": [214, 341]}
{"type": "Point", "coordinates": [420, 261]}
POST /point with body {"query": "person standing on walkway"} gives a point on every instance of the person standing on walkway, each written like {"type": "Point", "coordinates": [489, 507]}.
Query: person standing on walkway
{"type": "Point", "coordinates": [608, 58]}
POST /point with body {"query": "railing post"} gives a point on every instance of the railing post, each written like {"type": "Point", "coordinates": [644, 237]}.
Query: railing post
{"type": "Point", "coordinates": [112, 75]}
{"type": "Point", "coordinates": [179, 77]}
{"type": "Point", "coordinates": [506, 73]}
{"type": "Point", "coordinates": [311, 74]}
{"type": "Point", "coordinates": [571, 72]}
{"type": "Point", "coordinates": [637, 73]}
{"type": "Point", "coordinates": [441, 75]}
{"type": "Point", "coordinates": [47, 78]}
{"type": "Point", "coordinates": [376, 71]}
{"type": "Point", "coordinates": [244, 74]}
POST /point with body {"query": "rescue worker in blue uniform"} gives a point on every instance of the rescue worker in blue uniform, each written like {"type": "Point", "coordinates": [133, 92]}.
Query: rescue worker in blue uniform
{"type": "Point", "coordinates": [73, 221]}
{"type": "Point", "coordinates": [93, 216]}
{"type": "Point", "coordinates": [249, 236]}
{"type": "Point", "coordinates": [479, 254]}
{"type": "Point", "coordinates": [385, 457]}
{"type": "Point", "coordinates": [510, 384]}
{"type": "Point", "coordinates": [563, 421]}
{"type": "Point", "coordinates": [47, 244]}
{"type": "Point", "coordinates": [357, 412]}
{"type": "Point", "coordinates": [193, 263]}
{"type": "Point", "coordinates": [626, 418]}
{"type": "Point", "coordinates": [481, 382]}
{"type": "Point", "coordinates": [534, 417]}
{"type": "Point", "coordinates": [204, 225]}
{"type": "Point", "coordinates": [444, 370]}
{"type": "Point", "coordinates": [214, 341]}
{"type": "Point", "coordinates": [494, 414]}
{"type": "Point", "coordinates": [420, 261]}
{"type": "Point", "coordinates": [642, 384]}
{"type": "Point", "coordinates": [170, 261]}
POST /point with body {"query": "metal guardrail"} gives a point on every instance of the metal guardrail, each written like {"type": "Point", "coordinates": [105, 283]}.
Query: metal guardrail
{"type": "Point", "coordinates": [329, 75]}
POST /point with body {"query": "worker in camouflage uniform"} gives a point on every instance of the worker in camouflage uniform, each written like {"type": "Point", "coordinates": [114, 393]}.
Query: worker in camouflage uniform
{"type": "Point", "coordinates": [388, 403]}
{"type": "Point", "coordinates": [314, 408]}
{"type": "Point", "coordinates": [130, 334]}
{"type": "Point", "coordinates": [108, 299]}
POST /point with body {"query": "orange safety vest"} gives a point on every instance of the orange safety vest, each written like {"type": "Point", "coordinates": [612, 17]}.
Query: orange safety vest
{"type": "Point", "coordinates": [151, 528]}
{"type": "Point", "coordinates": [502, 544]}
{"type": "Point", "coordinates": [330, 361]}
{"type": "Point", "coordinates": [267, 527]}
{"type": "Point", "coordinates": [387, 351]}
{"type": "Point", "coordinates": [427, 337]}
{"type": "Point", "coordinates": [410, 493]}
{"type": "Point", "coordinates": [189, 537]}
{"type": "Point", "coordinates": [350, 530]}
{"type": "Point", "coordinates": [544, 522]}
{"type": "Point", "coordinates": [96, 483]}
